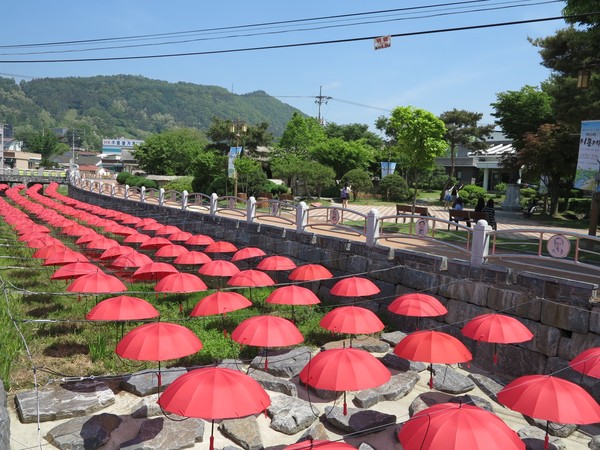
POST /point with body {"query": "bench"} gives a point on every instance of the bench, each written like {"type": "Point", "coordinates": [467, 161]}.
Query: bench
{"type": "Point", "coordinates": [457, 215]}
{"type": "Point", "coordinates": [409, 209]}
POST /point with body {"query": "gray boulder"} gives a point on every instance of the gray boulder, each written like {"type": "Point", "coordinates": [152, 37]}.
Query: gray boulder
{"type": "Point", "coordinates": [427, 399]}
{"type": "Point", "coordinates": [395, 362]}
{"type": "Point", "coordinates": [84, 433]}
{"type": "Point", "coordinates": [146, 382]}
{"type": "Point", "coordinates": [290, 415]}
{"type": "Point", "coordinates": [161, 433]}
{"type": "Point", "coordinates": [488, 385]}
{"type": "Point", "coordinates": [273, 383]}
{"type": "Point", "coordinates": [446, 379]}
{"type": "Point", "coordinates": [357, 420]}
{"type": "Point", "coordinates": [393, 337]}
{"type": "Point", "coordinates": [534, 439]}
{"type": "Point", "coordinates": [398, 386]}
{"type": "Point", "coordinates": [63, 402]}
{"type": "Point", "coordinates": [287, 364]}
{"type": "Point", "coordinates": [244, 432]}
{"type": "Point", "coordinates": [367, 343]}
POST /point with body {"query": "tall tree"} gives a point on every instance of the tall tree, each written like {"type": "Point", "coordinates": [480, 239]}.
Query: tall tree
{"type": "Point", "coordinates": [301, 134]}
{"type": "Point", "coordinates": [419, 136]}
{"type": "Point", "coordinates": [462, 129]}
{"type": "Point", "coordinates": [342, 155]}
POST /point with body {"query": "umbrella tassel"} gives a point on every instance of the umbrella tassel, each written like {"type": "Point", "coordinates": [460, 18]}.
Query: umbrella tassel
{"type": "Point", "coordinates": [180, 308]}
{"type": "Point", "coordinates": [495, 354]}
{"type": "Point", "coordinates": [266, 359]}
{"type": "Point", "coordinates": [546, 438]}
{"type": "Point", "coordinates": [212, 437]}
{"type": "Point", "coordinates": [345, 405]}
{"type": "Point", "coordinates": [430, 376]}
{"type": "Point", "coordinates": [159, 377]}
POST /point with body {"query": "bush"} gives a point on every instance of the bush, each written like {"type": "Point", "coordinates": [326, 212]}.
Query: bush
{"type": "Point", "coordinates": [394, 188]}
{"type": "Point", "coordinates": [528, 193]}
{"type": "Point", "coordinates": [471, 192]}
{"type": "Point", "coordinates": [580, 205]}
{"type": "Point", "coordinates": [123, 177]}
{"type": "Point", "coordinates": [141, 182]}
{"type": "Point", "coordinates": [277, 189]}
{"type": "Point", "coordinates": [500, 188]}
{"type": "Point", "coordinates": [220, 185]}
{"type": "Point", "coordinates": [180, 184]}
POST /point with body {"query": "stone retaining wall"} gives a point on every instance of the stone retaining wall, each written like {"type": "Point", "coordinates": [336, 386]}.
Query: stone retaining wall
{"type": "Point", "coordinates": [560, 313]}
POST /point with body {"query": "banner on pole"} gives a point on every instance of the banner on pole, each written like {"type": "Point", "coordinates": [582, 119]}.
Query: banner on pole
{"type": "Point", "coordinates": [234, 152]}
{"type": "Point", "coordinates": [588, 162]}
{"type": "Point", "coordinates": [387, 168]}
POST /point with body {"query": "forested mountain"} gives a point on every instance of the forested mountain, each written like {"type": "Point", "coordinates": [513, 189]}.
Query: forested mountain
{"type": "Point", "coordinates": [131, 106]}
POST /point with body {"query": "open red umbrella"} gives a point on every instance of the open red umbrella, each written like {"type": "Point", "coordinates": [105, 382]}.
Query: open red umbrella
{"type": "Point", "coordinates": [214, 393]}
{"type": "Point", "coordinates": [155, 243]}
{"type": "Point", "coordinates": [151, 226]}
{"type": "Point", "coordinates": [317, 444]}
{"type": "Point", "coordinates": [344, 369]}
{"type": "Point", "coordinates": [120, 230]}
{"type": "Point", "coordinates": [153, 271]}
{"type": "Point", "coordinates": [179, 236]}
{"type": "Point", "coordinates": [146, 221]}
{"type": "Point", "coordinates": [587, 362]}
{"type": "Point", "coordinates": [62, 257]}
{"type": "Point", "coordinates": [96, 283]}
{"type": "Point", "coordinates": [137, 238]}
{"type": "Point", "coordinates": [310, 272]}
{"type": "Point", "coordinates": [42, 241]}
{"type": "Point", "coordinates": [158, 341]}
{"type": "Point", "coordinates": [218, 268]}
{"type": "Point", "coordinates": [131, 261]}
{"type": "Point", "coordinates": [180, 283]}
{"type": "Point", "coordinates": [454, 426]}
{"type": "Point", "coordinates": [115, 252]}
{"type": "Point", "coordinates": [220, 247]}
{"type": "Point", "coordinates": [166, 230]}
{"type": "Point", "coordinates": [247, 253]}
{"type": "Point", "coordinates": [250, 278]}
{"type": "Point", "coordinates": [221, 302]}
{"type": "Point", "coordinates": [46, 251]}
{"type": "Point", "coordinates": [550, 398]}
{"type": "Point", "coordinates": [86, 238]}
{"type": "Point", "coordinates": [354, 287]}
{"type": "Point", "coordinates": [101, 243]}
{"type": "Point", "coordinates": [351, 320]}
{"type": "Point", "coordinates": [170, 251]}
{"type": "Point", "coordinates": [276, 263]}
{"type": "Point", "coordinates": [417, 305]}
{"type": "Point", "coordinates": [192, 257]}
{"type": "Point", "coordinates": [432, 347]}
{"type": "Point", "coordinates": [498, 329]}
{"type": "Point", "coordinates": [122, 307]}
{"type": "Point", "coordinates": [267, 331]}
{"type": "Point", "coordinates": [74, 270]}
{"type": "Point", "coordinates": [199, 239]}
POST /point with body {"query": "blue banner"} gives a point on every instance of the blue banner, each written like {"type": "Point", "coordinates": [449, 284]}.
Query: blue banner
{"type": "Point", "coordinates": [387, 168]}
{"type": "Point", "coordinates": [234, 152]}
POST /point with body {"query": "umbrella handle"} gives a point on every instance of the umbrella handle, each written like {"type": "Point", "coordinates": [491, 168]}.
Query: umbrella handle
{"type": "Point", "coordinates": [430, 376]}
{"type": "Point", "coordinates": [546, 438]}
{"type": "Point", "coordinates": [345, 405]}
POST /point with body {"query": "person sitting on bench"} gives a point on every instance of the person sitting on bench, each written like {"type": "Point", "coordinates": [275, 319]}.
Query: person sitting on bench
{"type": "Point", "coordinates": [490, 213]}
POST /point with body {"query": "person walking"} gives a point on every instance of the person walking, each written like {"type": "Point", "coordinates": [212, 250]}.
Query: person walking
{"type": "Point", "coordinates": [345, 194]}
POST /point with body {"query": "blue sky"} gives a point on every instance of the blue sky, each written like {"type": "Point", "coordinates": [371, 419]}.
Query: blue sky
{"type": "Point", "coordinates": [436, 72]}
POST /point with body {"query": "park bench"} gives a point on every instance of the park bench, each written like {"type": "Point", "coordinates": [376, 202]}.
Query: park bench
{"type": "Point", "coordinates": [457, 215]}
{"type": "Point", "coordinates": [409, 209]}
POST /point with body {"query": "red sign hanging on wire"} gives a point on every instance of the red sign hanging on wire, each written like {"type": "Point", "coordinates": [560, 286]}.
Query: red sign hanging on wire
{"type": "Point", "coordinates": [383, 42]}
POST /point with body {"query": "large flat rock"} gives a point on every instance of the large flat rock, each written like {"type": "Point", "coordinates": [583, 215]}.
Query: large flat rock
{"type": "Point", "coordinates": [63, 402]}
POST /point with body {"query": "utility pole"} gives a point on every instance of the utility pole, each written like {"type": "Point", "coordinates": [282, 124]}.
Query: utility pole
{"type": "Point", "coordinates": [73, 151]}
{"type": "Point", "coordinates": [319, 101]}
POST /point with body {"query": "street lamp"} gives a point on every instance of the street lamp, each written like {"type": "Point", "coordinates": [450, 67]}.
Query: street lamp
{"type": "Point", "coordinates": [237, 128]}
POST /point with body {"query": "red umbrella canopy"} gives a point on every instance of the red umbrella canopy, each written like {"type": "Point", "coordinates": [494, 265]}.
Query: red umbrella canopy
{"type": "Point", "coordinates": [354, 287]}
{"type": "Point", "coordinates": [89, 237]}
{"type": "Point", "coordinates": [214, 393]}
{"type": "Point", "coordinates": [192, 258]}
{"type": "Point", "coordinates": [145, 221]}
{"type": "Point", "coordinates": [116, 251]}
{"type": "Point", "coordinates": [179, 236]}
{"type": "Point", "coordinates": [220, 247]}
{"type": "Point", "coordinates": [318, 445]}
{"type": "Point", "coordinates": [250, 278]}
{"type": "Point", "coordinates": [587, 362]}
{"type": "Point", "coordinates": [293, 295]}
{"type": "Point", "coordinates": [137, 238]}
{"type": "Point", "coordinates": [199, 239]}
{"type": "Point", "coordinates": [453, 426]}
{"type": "Point", "coordinates": [42, 241]}
{"type": "Point", "coordinates": [352, 320]}
{"type": "Point", "coordinates": [102, 243]}
{"type": "Point", "coordinates": [180, 283]}
{"type": "Point", "coordinates": [44, 252]}
{"type": "Point", "coordinates": [133, 260]}
{"type": "Point", "coordinates": [122, 307]}
{"type": "Point", "coordinates": [276, 263]}
{"type": "Point", "coordinates": [267, 331]}
{"type": "Point", "coordinates": [153, 226]}
{"type": "Point", "coordinates": [158, 341]}
{"type": "Point", "coordinates": [66, 256]}
{"type": "Point", "coordinates": [221, 302]}
{"type": "Point", "coordinates": [166, 230]}
{"type": "Point", "coordinates": [170, 251]}
{"type": "Point", "coordinates": [26, 237]}
{"type": "Point", "coordinates": [153, 271]}
{"type": "Point", "coordinates": [344, 369]}
{"type": "Point", "coordinates": [219, 268]}
{"type": "Point", "coordinates": [131, 220]}
{"type": "Point", "coordinates": [120, 230]}
{"type": "Point", "coordinates": [33, 227]}
{"type": "Point", "coordinates": [96, 283]}
{"type": "Point", "coordinates": [74, 270]}
{"type": "Point", "coordinates": [246, 253]}
{"type": "Point", "coordinates": [550, 398]}
{"type": "Point", "coordinates": [497, 328]}
{"type": "Point", "coordinates": [155, 242]}
{"type": "Point", "coordinates": [310, 272]}
{"type": "Point", "coordinates": [432, 347]}
{"type": "Point", "coordinates": [75, 229]}
{"type": "Point", "coordinates": [417, 305]}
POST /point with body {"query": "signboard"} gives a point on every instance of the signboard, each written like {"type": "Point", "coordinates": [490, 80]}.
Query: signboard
{"type": "Point", "coordinates": [387, 168]}
{"type": "Point", "coordinates": [382, 42]}
{"type": "Point", "coordinates": [116, 145]}
{"type": "Point", "coordinates": [588, 163]}
{"type": "Point", "coordinates": [234, 152]}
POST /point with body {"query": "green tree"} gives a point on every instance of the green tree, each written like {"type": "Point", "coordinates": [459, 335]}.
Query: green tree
{"type": "Point", "coordinates": [170, 152]}
{"type": "Point", "coordinates": [251, 178]}
{"type": "Point", "coordinates": [206, 167]}
{"type": "Point", "coordinates": [462, 129]}
{"type": "Point", "coordinates": [342, 155]}
{"type": "Point", "coordinates": [394, 188]}
{"type": "Point", "coordinates": [418, 136]}
{"type": "Point", "coordinates": [288, 168]}
{"type": "Point", "coordinates": [353, 132]}
{"type": "Point", "coordinates": [301, 134]}
{"type": "Point", "coordinates": [44, 142]}
{"type": "Point", "coordinates": [359, 181]}
{"type": "Point", "coordinates": [313, 178]}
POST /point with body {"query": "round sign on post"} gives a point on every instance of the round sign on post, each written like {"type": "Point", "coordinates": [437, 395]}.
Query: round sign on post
{"type": "Point", "coordinates": [232, 202]}
{"type": "Point", "coordinates": [558, 246]}
{"type": "Point", "coordinates": [334, 216]}
{"type": "Point", "coordinates": [422, 228]}
{"type": "Point", "coordinates": [274, 208]}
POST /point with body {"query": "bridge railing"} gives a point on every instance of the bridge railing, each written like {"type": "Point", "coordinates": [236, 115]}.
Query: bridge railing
{"type": "Point", "coordinates": [48, 173]}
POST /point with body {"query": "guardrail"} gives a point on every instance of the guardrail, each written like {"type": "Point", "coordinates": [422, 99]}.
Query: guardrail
{"type": "Point", "coordinates": [34, 173]}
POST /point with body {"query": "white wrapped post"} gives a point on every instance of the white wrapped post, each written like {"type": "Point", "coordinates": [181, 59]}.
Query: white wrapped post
{"type": "Point", "coordinates": [301, 216]}
{"type": "Point", "coordinates": [481, 243]}
{"type": "Point", "coordinates": [251, 210]}
{"type": "Point", "coordinates": [143, 194]}
{"type": "Point", "coordinates": [214, 198]}
{"type": "Point", "coordinates": [184, 200]}
{"type": "Point", "coordinates": [161, 197]}
{"type": "Point", "coordinates": [373, 227]}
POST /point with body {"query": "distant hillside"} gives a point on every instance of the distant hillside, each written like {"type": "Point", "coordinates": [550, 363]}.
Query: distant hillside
{"type": "Point", "coordinates": [132, 106]}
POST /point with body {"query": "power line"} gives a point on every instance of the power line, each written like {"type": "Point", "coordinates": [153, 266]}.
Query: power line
{"type": "Point", "coordinates": [301, 44]}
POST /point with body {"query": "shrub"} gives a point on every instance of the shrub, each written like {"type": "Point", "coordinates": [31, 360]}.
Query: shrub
{"type": "Point", "coordinates": [394, 188]}
{"type": "Point", "coordinates": [180, 184]}
{"type": "Point", "coordinates": [277, 189]}
{"type": "Point", "coordinates": [500, 188]}
{"type": "Point", "coordinates": [123, 177]}
{"type": "Point", "coordinates": [528, 192]}
{"type": "Point", "coordinates": [141, 182]}
{"type": "Point", "coordinates": [580, 205]}
{"type": "Point", "coordinates": [471, 192]}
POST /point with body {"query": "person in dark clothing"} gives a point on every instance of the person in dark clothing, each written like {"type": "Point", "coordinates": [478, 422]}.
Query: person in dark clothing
{"type": "Point", "coordinates": [490, 213]}
{"type": "Point", "coordinates": [480, 204]}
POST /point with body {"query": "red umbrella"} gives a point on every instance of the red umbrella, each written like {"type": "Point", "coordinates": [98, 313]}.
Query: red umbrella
{"type": "Point", "coordinates": [170, 251]}
{"type": "Point", "coordinates": [318, 445]}
{"type": "Point", "coordinates": [153, 271]}
{"type": "Point", "coordinates": [30, 236]}
{"type": "Point", "coordinates": [587, 362]}
{"type": "Point", "coordinates": [158, 341]}
{"type": "Point", "coordinates": [46, 251]}
{"type": "Point", "coordinates": [250, 278]}
{"type": "Point", "coordinates": [116, 251]}
{"type": "Point", "coordinates": [550, 398]}
{"type": "Point", "coordinates": [133, 260]}
{"type": "Point", "coordinates": [498, 329]}
{"type": "Point", "coordinates": [66, 256]}
{"type": "Point", "coordinates": [417, 305]}
{"type": "Point", "coordinates": [96, 283]}
{"type": "Point", "coordinates": [310, 272]}
{"type": "Point", "coordinates": [75, 229]}
{"type": "Point", "coordinates": [453, 426]}
{"type": "Point", "coordinates": [74, 270]}
{"type": "Point", "coordinates": [33, 228]}
{"type": "Point", "coordinates": [267, 331]}
{"type": "Point", "coordinates": [293, 295]}
{"type": "Point", "coordinates": [180, 283]}
{"type": "Point", "coordinates": [122, 307]}
{"type": "Point", "coordinates": [131, 220]}
{"type": "Point", "coordinates": [221, 302]}
{"type": "Point", "coordinates": [101, 243]}
{"type": "Point", "coordinates": [120, 230]}
{"type": "Point", "coordinates": [214, 393]}
{"type": "Point", "coordinates": [179, 236]}
{"type": "Point", "coordinates": [220, 247]}
{"type": "Point", "coordinates": [152, 226]}
{"type": "Point", "coordinates": [137, 238]}
{"type": "Point", "coordinates": [246, 253]}
{"type": "Point", "coordinates": [218, 268]}
{"type": "Point", "coordinates": [166, 230]}
{"type": "Point", "coordinates": [42, 241]}
{"type": "Point", "coordinates": [344, 369]}
{"type": "Point", "coordinates": [276, 263]}
{"type": "Point", "coordinates": [352, 320]}
{"type": "Point", "coordinates": [432, 347]}
{"type": "Point", "coordinates": [146, 221]}
{"type": "Point", "coordinates": [199, 239]}
{"type": "Point", "coordinates": [354, 287]}
{"type": "Point", "coordinates": [87, 237]}
{"type": "Point", "coordinates": [192, 258]}
{"type": "Point", "coordinates": [154, 243]}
